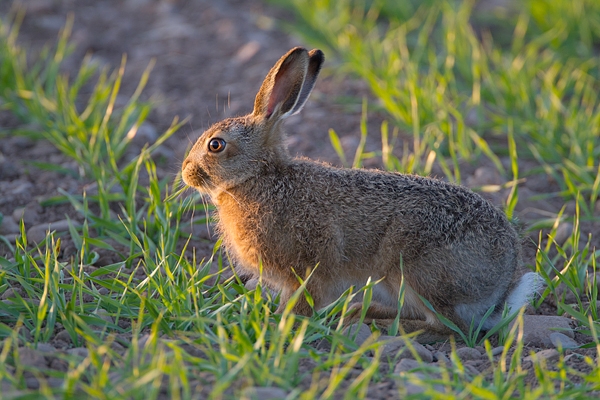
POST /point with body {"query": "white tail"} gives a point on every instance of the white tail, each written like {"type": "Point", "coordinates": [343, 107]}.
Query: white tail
{"type": "Point", "coordinates": [528, 286]}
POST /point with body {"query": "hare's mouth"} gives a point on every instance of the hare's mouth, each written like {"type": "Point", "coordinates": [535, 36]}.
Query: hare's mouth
{"type": "Point", "coordinates": [194, 176]}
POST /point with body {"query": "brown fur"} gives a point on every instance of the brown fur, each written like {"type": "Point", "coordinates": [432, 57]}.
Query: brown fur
{"type": "Point", "coordinates": [288, 215]}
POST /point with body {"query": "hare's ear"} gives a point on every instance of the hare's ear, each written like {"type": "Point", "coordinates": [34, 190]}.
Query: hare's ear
{"type": "Point", "coordinates": [288, 84]}
{"type": "Point", "coordinates": [316, 58]}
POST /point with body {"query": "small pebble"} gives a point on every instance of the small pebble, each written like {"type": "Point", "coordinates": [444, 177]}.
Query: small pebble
{"type": "Point", "coordinates": [59, 365]}
{"type": "Point", "coordinates": [32, 383]}
{"type": "Point", "coordinates": [496, 351]}
{"type": "Point", "coordinates": [538, 328]}
{"type": "Point", "coordinates": [468, 353]}
{"type": "Point", "coordinates": [104, 315]}
{"type": "Point", "coordinates": [406, 387]}
{"type": "Point", "coordinates": [8, 226]}
{"type": "Point", "coordinates": [424, 354]}
{"type": "Point", "coordinates": [563, 232]}
{"type": "Point", "coordinates": [37, 233]}
{"type": "Point", "coordinates": [64, 337]}
{"type": "Point", "coordinates": [8, 294]}
{"type": "Point", "coordinates": [547, 355]}
{"type": "Point", "coordinates": [323, 345]}
{"type": "Point", "coordinates": [116, 346]}
{"type": "Point", "coordinates": [11, 237]}
{"type": "Point", "coordinates": [46, 348]}
{"type": "Point", "coordinates": [441, 358]}
{"type": "Point", "coordinates": [21, 188]}
{"type": "Point", "coordinates": [472, 370]}
{"type": "Point", "coordinates": [405, 365]}
{"type": "Point", "coordinates": [404, 348]}
{"type": "Point", "coordinates": [264, 393]}
{"type": "Point", "coordinates": [563, 341]}
{"type": "Point", "coordinates": [78, 351]}
{"type": "Point", "coordinates": [143, 340]}
{"type": "Point", "coordinates": [31, 358]}
{"type": "Point", "coordinates": [29, 214]}
{"type": "Point", "coordinates": [358, 333]}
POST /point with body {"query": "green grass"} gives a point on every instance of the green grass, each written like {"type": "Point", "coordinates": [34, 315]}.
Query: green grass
{"type": "Point", "coordinates": [457, 87]}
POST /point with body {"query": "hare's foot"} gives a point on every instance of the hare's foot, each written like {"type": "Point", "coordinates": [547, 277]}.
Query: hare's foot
{"type": "Point", "coordinates": [375, 311]}
{"type": "Point", "coordinates": [427, 332]}
{"type": "Point", "coordinates": [301, 307]}
{"type": "Point", "coordinates": [430, 330]}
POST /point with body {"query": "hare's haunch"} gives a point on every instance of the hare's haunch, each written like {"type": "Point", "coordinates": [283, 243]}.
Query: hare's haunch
{"type": "Point", "coordinates": [286, 215]}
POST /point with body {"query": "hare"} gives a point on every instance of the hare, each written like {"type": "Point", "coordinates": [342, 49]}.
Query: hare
{"type": "Point", "coordinates": [282, 217]}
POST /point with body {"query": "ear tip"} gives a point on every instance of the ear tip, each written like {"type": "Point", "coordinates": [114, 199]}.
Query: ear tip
{"type": "Point", "coordinates": [297, 50]}
{"type": "Point", "coordinates": [316, 53]}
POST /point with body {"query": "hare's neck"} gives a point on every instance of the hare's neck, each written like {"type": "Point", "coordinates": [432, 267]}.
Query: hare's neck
{"type": "Point", "coordinates": [237, 222]}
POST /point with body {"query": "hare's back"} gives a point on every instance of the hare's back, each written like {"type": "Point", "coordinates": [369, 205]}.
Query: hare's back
{"type": "Point", "coordinates": [421, 204]}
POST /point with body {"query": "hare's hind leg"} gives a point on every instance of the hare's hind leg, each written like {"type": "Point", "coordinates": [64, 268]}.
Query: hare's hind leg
{"type": "Point", "coordinates": [384, 316]}
{"type": "Point", "coordinates": [428, 333]}
{"type": "Point", "coordinates": [376, 311]}
{"type": "Point", "coordinates": [430, 330]}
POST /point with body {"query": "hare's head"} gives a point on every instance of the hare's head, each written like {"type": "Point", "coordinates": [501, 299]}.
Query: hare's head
{"type": "Point", "coordinates": [236, 149]}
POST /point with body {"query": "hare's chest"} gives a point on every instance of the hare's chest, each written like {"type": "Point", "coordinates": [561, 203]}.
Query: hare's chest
{"type": "Point", "coordinates": [242, 232]}
{"type": "Point", "coordinates": [241, 242]}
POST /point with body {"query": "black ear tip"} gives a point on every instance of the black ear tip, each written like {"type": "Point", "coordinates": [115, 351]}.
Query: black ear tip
{"type": "Point", "coordinates": [317, 54]}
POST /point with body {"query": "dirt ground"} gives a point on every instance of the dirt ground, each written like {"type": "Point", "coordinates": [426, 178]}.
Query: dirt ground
{"type": "Point", "coordinates": [211, 57]}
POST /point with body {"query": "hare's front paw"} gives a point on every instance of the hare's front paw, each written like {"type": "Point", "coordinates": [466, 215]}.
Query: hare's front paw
{"type": "Point", "coordinates": [300, 308]}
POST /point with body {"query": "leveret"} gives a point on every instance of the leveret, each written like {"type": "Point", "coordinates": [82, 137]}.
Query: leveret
{"type": "Point", "coordinates": [288, 215]}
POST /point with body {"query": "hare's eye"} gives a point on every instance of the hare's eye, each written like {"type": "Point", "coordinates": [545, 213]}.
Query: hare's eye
{"type": "Point", "coordinates": [216, 145]}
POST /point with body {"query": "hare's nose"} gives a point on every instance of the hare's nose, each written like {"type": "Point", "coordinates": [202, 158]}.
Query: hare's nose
{"type": "Point", "coordinates": [186, 162]}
